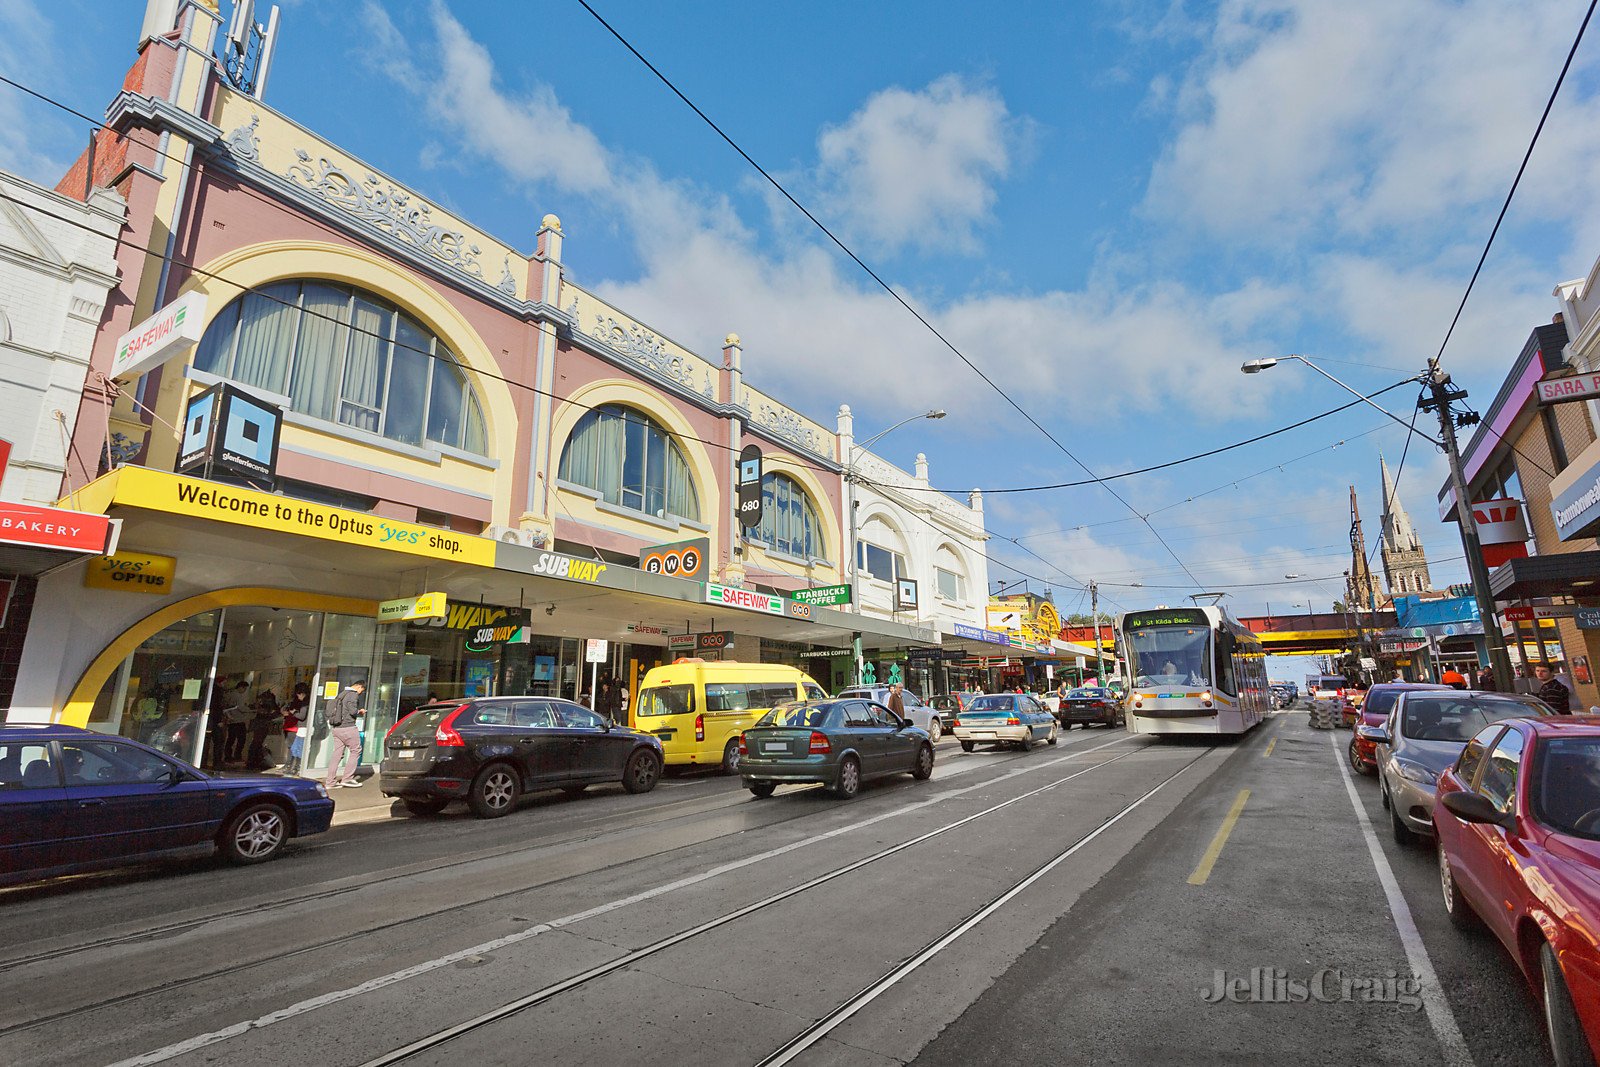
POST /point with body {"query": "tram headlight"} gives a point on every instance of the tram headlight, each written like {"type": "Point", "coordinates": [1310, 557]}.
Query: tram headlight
{"type": "Point", "coordinates": [1205, 699]}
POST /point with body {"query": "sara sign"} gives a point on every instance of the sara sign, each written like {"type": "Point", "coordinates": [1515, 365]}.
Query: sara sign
{"type": "Point", "coordinates": [1562, 390]}
{"type": "Point", "coordinates": [160, 337]}
{"type": "Point", "coordinates": [824, 596]}
{"type": "Point", "coordinates": [132, 571]}
{"type": "Point", "coordinates": [744, 599]}
{"type": "Point", "coordinates": [423, 606]}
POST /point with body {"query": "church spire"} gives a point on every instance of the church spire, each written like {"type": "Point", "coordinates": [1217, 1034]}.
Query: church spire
{"type": "Point", "coordinates": [1360, 589]}
{"type": "Point", "coordinates": [1405, 564]}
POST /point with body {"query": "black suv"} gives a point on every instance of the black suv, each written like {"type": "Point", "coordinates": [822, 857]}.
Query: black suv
{"type": "Point", "coordinates": [489, 751]}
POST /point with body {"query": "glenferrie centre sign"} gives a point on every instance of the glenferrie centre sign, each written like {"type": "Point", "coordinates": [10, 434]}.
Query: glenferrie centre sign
{"type": "Point", "coordinates": [744, 599]}
{"type": "Point", "coordinates": [825, 596]}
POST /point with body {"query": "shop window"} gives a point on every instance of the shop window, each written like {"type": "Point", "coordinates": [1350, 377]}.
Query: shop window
{"type": "Point", "coordinates": [631, 461]}
{"type": "Point", "coordinates": [951, 587]}
{"type": "Point", "coordinates": [344, 355]}
{"type": "Point", "coordinates": [789, 521]}
{"type": "Point", "coordinates": [880, 563]}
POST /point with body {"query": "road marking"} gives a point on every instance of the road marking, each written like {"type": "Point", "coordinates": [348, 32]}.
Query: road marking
{"type": "Point", "coordinates": [239, 1029]}
{"type": "Point", "coordinates": [1270, 745]}
{"type": "Point", "coordinates": [1434, 1001]}
{"type": "Point", "coordinates": [1209, 860]}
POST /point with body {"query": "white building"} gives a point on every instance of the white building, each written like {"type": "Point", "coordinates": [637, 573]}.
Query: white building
{"type": "Point", "coordinates": [54, 277]}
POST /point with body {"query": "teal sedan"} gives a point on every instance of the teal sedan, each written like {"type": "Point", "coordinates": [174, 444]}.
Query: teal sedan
{"type": "Point", "coordinates": [838, 743]}
{"type": "Point", "coordinates": [1005, 719]}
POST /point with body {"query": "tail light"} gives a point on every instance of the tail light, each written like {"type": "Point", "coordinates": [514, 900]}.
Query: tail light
{"type": "Point", "coordinates": [445, 736]}
{"type": "Point", "coordinates": [955, 724]}
{"type": "Point", "coordinates": [819, 744]}
{"type": "Point", "coordinates": [1013, 721]}
{"type": "Point", "coordinates": [699, 727]}
{"type": "Point", "coordinates": [742, 750]}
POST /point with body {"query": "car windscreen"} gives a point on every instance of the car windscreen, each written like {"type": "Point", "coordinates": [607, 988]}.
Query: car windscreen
{"type": "Point", "coordinates": [1457, 716]}
{"type": "Point", "coordinates": [1566, 785]}
{"type": "Point", "coordinates": [992, 703]}
{"type": "Point", "coordinates": [422, 722]}
{"type": "Point", "coordinates": [1086, 694]}
{"type": "Point", "coordinates": [801, 715]}
{"type": "Point", "coordinates": [666, 700]}
{"type": "Point", "coordinates": [1170, 655]}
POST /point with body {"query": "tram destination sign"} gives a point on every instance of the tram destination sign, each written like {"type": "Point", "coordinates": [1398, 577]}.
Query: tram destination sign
{"type": "Point", "coordinates": [823, 596]}
{"type": "Point", "coordinates": [1170, 617]}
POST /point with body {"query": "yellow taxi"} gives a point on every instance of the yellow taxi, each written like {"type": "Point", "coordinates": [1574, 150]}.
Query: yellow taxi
{"type": "Point", "coordinates": [698, 707]}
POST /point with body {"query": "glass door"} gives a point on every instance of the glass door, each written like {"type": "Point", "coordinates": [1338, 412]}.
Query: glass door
{"type": "Point", "coordinates": [356, 648]}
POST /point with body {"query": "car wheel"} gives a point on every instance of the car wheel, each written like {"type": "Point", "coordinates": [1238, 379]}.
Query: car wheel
{"type": "Point", "coordinates": [935, 728]}
{"type": "Point", "coordinates": [763, 790]}
{"type": "Point", "coordinates": [1383, 792]}
{"type": "Point", "coordinates": [1403, 834]}
{"type": "Point", "coordinates": [1025, 744]}
{"type": "Point", "coordinates": [426, 807]}
{"type": "Point", "coordinates": [642, 773]}
{"type": "Point", "coordinates": [1053, 734]}
{"type": "Point", "coordinates": [848, 783]}
{"type": "Point", "coordinates": [968, 746]}
{"type": "Point", "coordinates": [1355, 758]}
{"type": "Point", "coordinates": [494, 791]}
{"type": "Point", "coordinates": [255, 834]}
{"type": "Point", "coordinates": [1561, 1023]}
{"type": "Point", "coordinates": [924, 768]}
{"type": "Point", "coordinates": [574, 790]}
{"type": "Point", "coordinates": [1462, 917]}
{"type": "Point", "coordinates": [730, 756]}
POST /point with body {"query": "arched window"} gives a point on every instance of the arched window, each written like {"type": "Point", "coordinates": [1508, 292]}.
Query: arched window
{"type": "Point", "coordinates": [789, 520]}
{"type": "Point", "coordinates": [631, 462]}
{"type": "Point", "coordinates": [344, 355]}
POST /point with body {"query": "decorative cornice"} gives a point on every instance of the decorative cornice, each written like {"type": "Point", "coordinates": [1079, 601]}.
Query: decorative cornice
{"type": "Point", "coordinates": [129, 107]}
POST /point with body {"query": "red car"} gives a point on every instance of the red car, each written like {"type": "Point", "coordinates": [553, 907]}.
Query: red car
{"type": "Point", "coordinates": [1375, 712]}
{"type": "Point", "coordinates": [1518, 825]}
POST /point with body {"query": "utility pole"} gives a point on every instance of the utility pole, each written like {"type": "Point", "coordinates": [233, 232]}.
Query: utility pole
{"type": "Point", "coordinates": [1438, 383]}
{"type": "Point", "coordinates": [1094, 609]}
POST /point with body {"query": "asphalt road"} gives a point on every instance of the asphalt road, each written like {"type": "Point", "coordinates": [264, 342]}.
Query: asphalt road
{"type": "Point", "coordinates": [1075, 903]}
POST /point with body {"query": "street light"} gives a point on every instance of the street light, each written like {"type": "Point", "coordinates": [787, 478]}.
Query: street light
{"type": "Point", "coordinates": [850, 490]}
{"type": "Point", "coordinates": [1437, 383]}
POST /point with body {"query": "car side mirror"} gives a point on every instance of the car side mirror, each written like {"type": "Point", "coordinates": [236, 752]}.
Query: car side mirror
{"type": "Point", "coordinates": [1475, 807]}
{"type": "Point", "coordinates": [1376, 734]}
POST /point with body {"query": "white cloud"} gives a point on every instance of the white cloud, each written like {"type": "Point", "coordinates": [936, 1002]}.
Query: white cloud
{"type": "Point", "coordinates": [917, 169]}
{"type": "Point", "coordinates": [27, 50]}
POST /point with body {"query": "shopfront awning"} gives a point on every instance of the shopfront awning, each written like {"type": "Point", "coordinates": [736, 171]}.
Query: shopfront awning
{"type": "Point", "coordinates": [1557, 574]}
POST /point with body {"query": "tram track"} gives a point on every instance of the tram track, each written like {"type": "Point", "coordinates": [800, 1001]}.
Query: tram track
{"type": "Point", "coordinates": [505, 1011]}
{"type": "Point", "coordinates": [391, 924]}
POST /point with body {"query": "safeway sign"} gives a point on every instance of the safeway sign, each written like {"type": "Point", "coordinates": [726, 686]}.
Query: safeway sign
{"type": "Point", "coordinates": [160, 337]}
{"type": "Point", "coordinates": [746, 599]}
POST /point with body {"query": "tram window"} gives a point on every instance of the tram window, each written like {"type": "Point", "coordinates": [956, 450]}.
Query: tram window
{"type": "Point", "coordinates": [1226, 644]}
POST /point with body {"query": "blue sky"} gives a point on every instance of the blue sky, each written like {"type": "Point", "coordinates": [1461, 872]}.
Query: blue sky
{"type": "Point", "coordinates": [1106, 206]}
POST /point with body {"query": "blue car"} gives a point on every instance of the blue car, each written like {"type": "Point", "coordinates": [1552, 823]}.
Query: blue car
{"type": "Point", "coordinates": [72, 799]}
{"type": "Point", "coordinates": [1005, 719]}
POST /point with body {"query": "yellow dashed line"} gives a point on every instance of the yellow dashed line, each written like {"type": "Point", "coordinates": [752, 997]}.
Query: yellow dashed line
{"type": "Point", "coordinates": [1270, 744]}
{"type": "Point", "coordinates": [1209, 860]}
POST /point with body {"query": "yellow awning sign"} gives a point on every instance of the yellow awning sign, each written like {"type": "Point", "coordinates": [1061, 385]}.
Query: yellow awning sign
{"type": "Point", "coordinates": [134, 572]}
{"type": "Point", "coordinates": [422, 606]}
{"type": "Point", "coordinates": [140, 487]}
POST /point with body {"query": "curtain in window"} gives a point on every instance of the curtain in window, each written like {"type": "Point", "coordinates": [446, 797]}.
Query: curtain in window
{"type": "Point", "coordinates": [631, 462]}
{"type": "Point", "coordinates": [216, 347]}
{"type": "Point", "coordinates": [366, 367]}
{"type": "Point", "coordinates": [266, 337]}
{"type": "Point", "coordinates": [681, 498]}
{"type": "Point", "coordinates": [410, 370]}
{"type": "Point", "coordinates": [319, 353]}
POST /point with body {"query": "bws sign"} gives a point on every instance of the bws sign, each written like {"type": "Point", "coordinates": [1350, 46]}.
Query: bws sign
{"type": "Point", "coordinates": [683, 559]}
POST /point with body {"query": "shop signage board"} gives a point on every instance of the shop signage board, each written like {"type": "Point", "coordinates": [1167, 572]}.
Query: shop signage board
{"type": "Point", "coordinates": [743, 599]}
{"type": "Point", "coordinates": [1523, 613]}
{"type": "Point", "coordinates": [568, 568]}
{"type": "Point", "coordinates": [1502, 529]}
{"type": "Point", "coordinates": [826, 653]}
{"type": "Point", "coordinates": [422, 606]}
{"type": "Point", "coordinates": [596, 650]}
{"type": "Point", "coordinates": [1577, 509]}
{"type": "Point", "coordinates": [681, 642]}
{"type": "Point", "coordinates": [226, 430]}
{"type": "Point", "coordinates": [154, 490]}
{"type": "Point", "coordinates": [978, 633]}
{"type": "Point", "coordinates": [823, 596]}
{"type": "Point", "coordinates": [5, 455]}
{"type": "Point", "coordinates": [134, 572]}
{"type": "Point", "coordinates": [1565, 390]}
{"type": "Point", "coordinates": [796, 609]}
{"type": "Point", "coordinates": [715, 641]}
{"type": "Point", "coordinates": [682, 559]}
{"type": "Point", "coordinates": [160, 337]}
{"type": "Point", "coordinates": [1588, 618]}
{"type": "Point", "coordinates": [71, 531]}
{"type": "Point", "coordinates": [905, 594]}
{"type": "Point", "coordinates": [749, 487]}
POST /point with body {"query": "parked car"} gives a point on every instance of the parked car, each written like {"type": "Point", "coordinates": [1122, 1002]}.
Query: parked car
{"type": "Point", "coordinates": [925, 718]}
{"type": "Point", "coordinates": [1090, 704]}
{"type": "Point", "coordinates": [840, 743]}
{"type": "Point", "coordinates": [491, 751]}
{"type": "Point", "coordinates": [1425, 734]}
{"type": "Point", "coordinates": [948, 705]}
{"type": "Point", "coordinates": [73, 800]}
{"type": "Point", "coordinates": [697, 707]}
{"type": "Point", "coordinates": [1363, 751]}
{"type": "Point", "coordinates": [1005, 719]}
{"type": "Point", "coordinates": [1518, 826]}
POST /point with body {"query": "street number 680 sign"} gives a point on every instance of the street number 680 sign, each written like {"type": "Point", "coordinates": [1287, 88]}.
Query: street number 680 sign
{"type": "Point", "coordinates": [749, 509]}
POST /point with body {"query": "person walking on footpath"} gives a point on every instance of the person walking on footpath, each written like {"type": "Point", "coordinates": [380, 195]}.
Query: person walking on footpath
{"type": "Point", "coordinates": [342, 712]}
{"type": "Point", "coordinates": [896, 703]}
{"type": "Point", "coordinates": [1552, 691]}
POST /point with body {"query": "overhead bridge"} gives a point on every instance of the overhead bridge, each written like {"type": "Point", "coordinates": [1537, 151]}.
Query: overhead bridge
{"type": "Point", "coordinates": [1316, 633]}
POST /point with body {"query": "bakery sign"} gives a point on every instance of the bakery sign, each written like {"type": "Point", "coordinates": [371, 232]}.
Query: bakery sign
{"type": "Point", "coordinates": [58, 528]}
